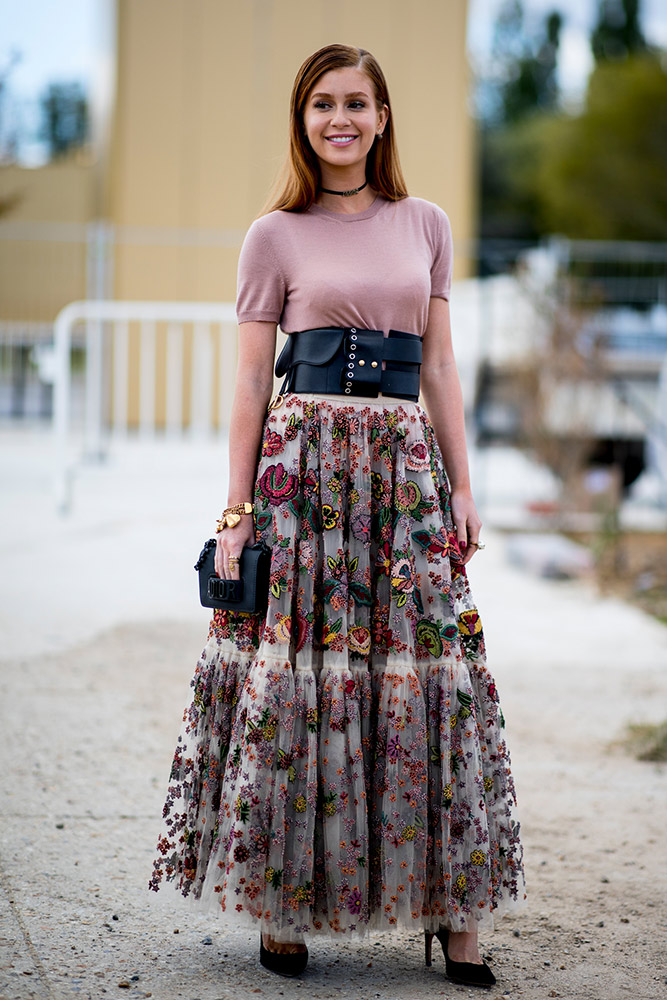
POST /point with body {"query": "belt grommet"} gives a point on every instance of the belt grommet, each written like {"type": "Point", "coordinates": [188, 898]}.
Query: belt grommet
{"type": "Point", "coordinates": [350, 365]}
{"type": "Point", "coordinates": [348, 390]}
{"type": "Point", "coordinates": [352, 330]}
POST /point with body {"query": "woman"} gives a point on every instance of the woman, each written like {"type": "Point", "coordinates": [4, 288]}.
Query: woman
{"type": "Point", "coordinates": [341, 765]}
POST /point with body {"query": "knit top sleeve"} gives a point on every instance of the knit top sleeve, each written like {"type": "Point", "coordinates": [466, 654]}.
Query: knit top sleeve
{"type": "Point", "coordinates": [443, 257]}
{"type": "Point", "coordinates": [261, 286]}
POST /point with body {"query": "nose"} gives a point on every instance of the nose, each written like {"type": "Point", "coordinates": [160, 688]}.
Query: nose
{"type": "Point", "coordinates": [340, 117]}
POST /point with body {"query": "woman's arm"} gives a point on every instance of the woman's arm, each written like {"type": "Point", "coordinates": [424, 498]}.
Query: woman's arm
{"type": "Point", "coordinates": [253, 388]}
{"type": "Point", "coordinates": [441, 390]}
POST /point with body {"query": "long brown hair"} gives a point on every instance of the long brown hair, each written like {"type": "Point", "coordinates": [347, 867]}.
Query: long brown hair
{"type": "Point", "coordinates": [296, 190]}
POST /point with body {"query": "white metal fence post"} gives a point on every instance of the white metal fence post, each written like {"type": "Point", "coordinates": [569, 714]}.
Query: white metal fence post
{"type": "Point", "coordinates": [202, 379]}
{"type": "Point", "coordinates": [147, 356]}
{"type": "Point", "coordinates": [121, 364]}
{"type": "Point", "coordinates": [174, 378]}
{"type": "Point", "coordinates": [61, 406]}
{"type": "Point", "coordinates": [94, 388]}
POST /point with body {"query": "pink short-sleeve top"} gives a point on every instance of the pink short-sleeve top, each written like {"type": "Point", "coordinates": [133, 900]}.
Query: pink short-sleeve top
{"type": "Point", "coordinates": [375, 269]}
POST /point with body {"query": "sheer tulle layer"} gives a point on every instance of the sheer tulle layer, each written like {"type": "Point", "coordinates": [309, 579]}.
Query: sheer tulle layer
{"type": "Point", "coordinates": [342, 763]}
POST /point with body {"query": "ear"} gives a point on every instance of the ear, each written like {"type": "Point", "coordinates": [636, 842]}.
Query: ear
{"type": "Point", "coordinates": [383, 117]}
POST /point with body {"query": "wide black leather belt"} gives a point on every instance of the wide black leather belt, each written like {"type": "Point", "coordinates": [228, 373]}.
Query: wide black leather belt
{"type": "Point", "coordinates": [350, 361]}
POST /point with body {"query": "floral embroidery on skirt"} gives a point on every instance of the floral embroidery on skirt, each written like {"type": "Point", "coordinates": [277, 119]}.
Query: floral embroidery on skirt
{"type": "Point", "coordinates": [342, 764]}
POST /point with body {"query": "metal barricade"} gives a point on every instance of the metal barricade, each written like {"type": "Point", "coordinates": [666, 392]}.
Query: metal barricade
{"type": "Point", "coordinates": [182, 352]}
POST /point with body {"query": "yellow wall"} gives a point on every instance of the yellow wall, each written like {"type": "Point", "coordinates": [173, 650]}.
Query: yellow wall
{"type": "Point", "coordinates": [41, 270]}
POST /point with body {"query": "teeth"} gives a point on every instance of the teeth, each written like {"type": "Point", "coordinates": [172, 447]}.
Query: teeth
{"type": "Point", "coordinates": [341, 138]}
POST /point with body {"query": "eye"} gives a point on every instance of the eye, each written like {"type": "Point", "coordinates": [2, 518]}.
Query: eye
{"type": "Point", "coordinates": [357, 105]}
{"type": "Point", "coordinates": [320, 105]}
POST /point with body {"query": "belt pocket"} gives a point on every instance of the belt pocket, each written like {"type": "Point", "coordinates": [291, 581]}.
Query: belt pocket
{"type": "Point", "coordinates": [310, 347]}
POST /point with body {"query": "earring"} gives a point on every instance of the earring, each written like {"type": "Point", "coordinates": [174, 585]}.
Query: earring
{"type": "Point", "coordinates": [379, 135]}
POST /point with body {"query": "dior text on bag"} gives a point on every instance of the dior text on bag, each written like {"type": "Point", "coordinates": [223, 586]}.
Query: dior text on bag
{"type": "Point", "coordinates": [250, 593]}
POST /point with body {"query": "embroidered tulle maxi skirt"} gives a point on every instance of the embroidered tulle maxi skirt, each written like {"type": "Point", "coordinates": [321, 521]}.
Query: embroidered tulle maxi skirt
{"type": "Point", "coordinates": [342, 764]}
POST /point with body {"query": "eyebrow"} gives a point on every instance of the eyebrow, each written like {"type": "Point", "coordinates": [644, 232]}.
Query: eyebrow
{"type": "Point", "coordinates": [355, 93]}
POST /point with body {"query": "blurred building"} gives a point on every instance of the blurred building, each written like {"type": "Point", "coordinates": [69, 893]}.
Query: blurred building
{"type": "Point", "coordinates": [575, 364]}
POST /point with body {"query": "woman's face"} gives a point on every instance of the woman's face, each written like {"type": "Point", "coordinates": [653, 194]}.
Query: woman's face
{"type": "Point", "coordinates": [341, 119]}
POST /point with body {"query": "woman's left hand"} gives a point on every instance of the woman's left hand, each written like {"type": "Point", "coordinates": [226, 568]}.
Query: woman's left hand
{"type": "Point", "coordinates": [467, 523]}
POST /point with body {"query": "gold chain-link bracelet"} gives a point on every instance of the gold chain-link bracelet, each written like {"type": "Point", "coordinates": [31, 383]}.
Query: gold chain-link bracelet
{"type": "Point", "coordinates": [231, 516]}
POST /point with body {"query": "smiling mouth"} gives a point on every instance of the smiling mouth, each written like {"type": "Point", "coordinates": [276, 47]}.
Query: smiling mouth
{"type": "Point", "coordinates": [340, 140]}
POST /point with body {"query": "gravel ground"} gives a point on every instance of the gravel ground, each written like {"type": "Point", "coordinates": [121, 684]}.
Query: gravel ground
{"type": "Point", "coordinates": [90, 716]}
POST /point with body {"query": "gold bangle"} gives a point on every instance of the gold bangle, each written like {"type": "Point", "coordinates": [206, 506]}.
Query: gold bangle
{"type": "Point", "coordinates": [231, 516]}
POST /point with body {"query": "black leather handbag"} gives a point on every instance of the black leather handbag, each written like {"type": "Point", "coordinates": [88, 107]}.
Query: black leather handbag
{"type": "Point", "coordinates": [250, 593]}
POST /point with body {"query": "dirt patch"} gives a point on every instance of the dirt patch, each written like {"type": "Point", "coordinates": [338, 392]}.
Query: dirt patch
{"type": "Point", "coordinates": [631, 565]}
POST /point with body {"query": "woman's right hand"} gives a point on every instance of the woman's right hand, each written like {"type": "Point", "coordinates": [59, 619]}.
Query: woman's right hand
{"type": "Point", "coordinates": [231, 542]}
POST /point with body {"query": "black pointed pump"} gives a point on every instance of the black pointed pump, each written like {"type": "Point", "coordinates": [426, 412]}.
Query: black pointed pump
{"type": "Point", "coordinates": [466, 973]}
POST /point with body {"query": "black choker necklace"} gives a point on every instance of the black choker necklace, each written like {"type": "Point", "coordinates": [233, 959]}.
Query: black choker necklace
{"type": "Point", "coordinates": [346, 194]}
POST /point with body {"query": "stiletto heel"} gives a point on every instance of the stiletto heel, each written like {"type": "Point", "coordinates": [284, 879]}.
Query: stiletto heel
{"type": "Point", "coordinates": [466, 973]}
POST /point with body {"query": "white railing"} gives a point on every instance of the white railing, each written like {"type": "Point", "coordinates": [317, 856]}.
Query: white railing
{"type": "Point", "coordinates": [157, 360]}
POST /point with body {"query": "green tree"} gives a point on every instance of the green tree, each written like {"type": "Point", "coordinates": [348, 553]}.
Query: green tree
{"type": "Point", "coordinates": [617, 32]}
{"type": "Point", "coordinates": [522, 86]}
{"type": "Point", "coordinates": [532, 85]}
{"type": "Point", "coordinates": [522, 75]}
{"type": "Point", "coordinates": [599, 174]}
{"type": "Point", "coordinates": [603, 173]}
{"type": "Point", "coordinates": [65, 120]}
